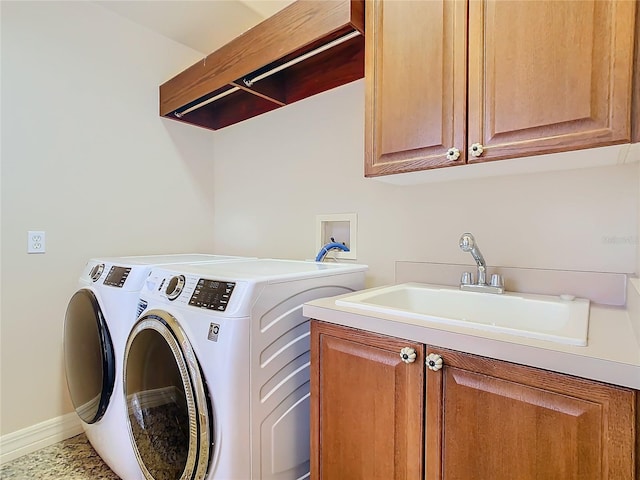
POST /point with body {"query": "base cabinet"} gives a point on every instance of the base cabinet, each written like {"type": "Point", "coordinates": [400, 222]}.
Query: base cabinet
{"type": "Point", "coordinates": [367, 406]}
{"type": "Point", "coordinates": [482, 419]}
{"type": "Point", "coordinates": [488, 419]}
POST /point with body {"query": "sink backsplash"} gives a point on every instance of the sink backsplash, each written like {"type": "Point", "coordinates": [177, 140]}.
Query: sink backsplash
{"type": "Point", "coordinates": [602, 288]}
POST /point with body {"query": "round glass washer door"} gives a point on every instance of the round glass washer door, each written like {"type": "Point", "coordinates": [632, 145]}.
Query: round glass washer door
{"type": "Point", "coordinates": [169, 415]}
{"type": "Point", "coordinates": [89, 357]}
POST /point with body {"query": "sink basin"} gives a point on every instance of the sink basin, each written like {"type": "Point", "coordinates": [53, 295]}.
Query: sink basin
{"type": "Point", "coordinates": [535, 316]}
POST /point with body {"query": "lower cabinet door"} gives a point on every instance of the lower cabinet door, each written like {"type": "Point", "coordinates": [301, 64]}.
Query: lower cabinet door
{"type": "Point", "coordinates": [492, 420]}
{"type": "Point", "coordinates": [366, 405]}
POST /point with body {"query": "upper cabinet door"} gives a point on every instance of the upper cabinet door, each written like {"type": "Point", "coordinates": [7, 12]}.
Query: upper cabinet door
{"type": "Point", "coordinates": [549, 76]}
{"type": "Point", "coordinates": [415, 70]}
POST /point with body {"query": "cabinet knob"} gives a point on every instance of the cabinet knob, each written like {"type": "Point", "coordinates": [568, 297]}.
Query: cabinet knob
{"type": "Point", "coordinates": [434, 362]}
{"type": "Point", "coordinates": [476, 149]}
{"type": "Point", "coordinates": [408, 355]}
{"type": "Point", "coordinates": [453, 154]}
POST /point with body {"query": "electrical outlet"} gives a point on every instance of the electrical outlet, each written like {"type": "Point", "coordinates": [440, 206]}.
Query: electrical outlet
{"type": "Point", "coordinates": [35, 242]}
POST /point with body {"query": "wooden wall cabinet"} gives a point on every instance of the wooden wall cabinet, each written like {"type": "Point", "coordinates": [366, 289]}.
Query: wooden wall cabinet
{"type": "Point", "coordinates": [510, 78]}
{"type": "Point", "coordinates": [483, 418]}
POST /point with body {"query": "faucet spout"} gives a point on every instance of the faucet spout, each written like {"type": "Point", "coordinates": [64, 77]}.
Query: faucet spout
{"type": "Point", "coordinates": [468, 244]}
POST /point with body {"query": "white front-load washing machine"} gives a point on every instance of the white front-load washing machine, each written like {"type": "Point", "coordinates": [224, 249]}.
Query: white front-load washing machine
{"type": "Point", "coordinates": [98, 320]}
{"type": "Point", "coordinates": [216, 375]}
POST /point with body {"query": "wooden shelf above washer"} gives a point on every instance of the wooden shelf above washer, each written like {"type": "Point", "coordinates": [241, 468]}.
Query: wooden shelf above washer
{"type": "Point", "coordinates": [283, 59]}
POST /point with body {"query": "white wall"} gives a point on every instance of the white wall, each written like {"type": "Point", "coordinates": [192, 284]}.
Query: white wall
{"type": "Point", "coordinates": [86, 158]}
{"type": "Point", "coordinates": [273, 174]}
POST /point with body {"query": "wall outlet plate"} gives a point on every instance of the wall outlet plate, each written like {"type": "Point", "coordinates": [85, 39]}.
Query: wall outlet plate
{"type": "Point", "coordinates": [35, 241]}
{"type": "Point", "coordinates": [342, 227]}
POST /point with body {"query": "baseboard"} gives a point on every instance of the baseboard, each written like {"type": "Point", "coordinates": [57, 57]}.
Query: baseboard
{"type": "Point", "coordinates": [30, 439]}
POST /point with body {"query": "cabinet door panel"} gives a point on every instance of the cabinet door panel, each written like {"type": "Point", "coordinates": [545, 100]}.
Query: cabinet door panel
{"type": "Point", "coordinates": [501, 421]}
{"type": "Point", "coordinates": [366, 416]}
{"type": "Point", "coordinates": [549, 76]}
{"type": "Point", "coordinates": [545, 431]}
{"type": "Point", "coordinates": [415, 84]}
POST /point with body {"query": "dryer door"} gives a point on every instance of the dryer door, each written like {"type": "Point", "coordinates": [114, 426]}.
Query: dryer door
{"type": "Point", "coordinates": [168, 410]}
{"type": "Point", "coordinates": [89, 356]}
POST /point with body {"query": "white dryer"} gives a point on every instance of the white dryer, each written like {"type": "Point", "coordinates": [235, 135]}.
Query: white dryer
{"type": "Point", "coordinates": [216, 375]}
{"type": "Point", "coordinates": [98, 320]}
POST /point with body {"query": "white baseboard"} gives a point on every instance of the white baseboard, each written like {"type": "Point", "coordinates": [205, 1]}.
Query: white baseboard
{"type": "Point", "coordinates": [30, 439]}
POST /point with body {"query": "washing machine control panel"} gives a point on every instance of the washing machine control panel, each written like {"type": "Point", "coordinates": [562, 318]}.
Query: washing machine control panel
{"type": "Point", "coordinates": [96, 271]}
{"type": "Point", "coordinates": [212, 294]}
{"type": "Point", "coordinates": [117, 276]}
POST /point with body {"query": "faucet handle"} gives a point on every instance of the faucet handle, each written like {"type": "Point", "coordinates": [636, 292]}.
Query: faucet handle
{"type": "Point", "coordinates": [466, 279]}
{"type": "Point", "coordinates": [496, 280]}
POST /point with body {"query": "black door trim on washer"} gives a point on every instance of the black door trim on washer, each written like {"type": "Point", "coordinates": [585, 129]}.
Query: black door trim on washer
{"type": "Point", "coordinates": [89, 356]}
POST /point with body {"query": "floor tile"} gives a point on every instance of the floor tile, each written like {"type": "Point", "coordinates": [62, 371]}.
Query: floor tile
{"type": "Point", "coordinates": [71, 459]}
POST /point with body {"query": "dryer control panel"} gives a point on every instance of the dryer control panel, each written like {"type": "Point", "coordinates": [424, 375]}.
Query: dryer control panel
{"type": "Point", "coordinates": [117, 276]}
{"type": "Point", "coordinates": [215, 294]}
{"type": "Point", "coordinates": [212, 294]}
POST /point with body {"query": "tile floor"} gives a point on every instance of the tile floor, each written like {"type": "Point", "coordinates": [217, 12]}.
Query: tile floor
{"type": "Point", "coordinates": [71, 459]}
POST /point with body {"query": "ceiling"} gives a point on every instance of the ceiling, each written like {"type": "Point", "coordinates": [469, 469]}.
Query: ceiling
{"type": "Point", "coordinates": [204, 25]}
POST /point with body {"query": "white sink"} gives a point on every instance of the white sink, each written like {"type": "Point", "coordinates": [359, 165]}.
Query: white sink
{"type": "Point", "coordinates": [535, 316]}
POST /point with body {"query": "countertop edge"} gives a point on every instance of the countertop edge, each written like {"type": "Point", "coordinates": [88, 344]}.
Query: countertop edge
{"type": "Point", "coordinates": [580, 365]}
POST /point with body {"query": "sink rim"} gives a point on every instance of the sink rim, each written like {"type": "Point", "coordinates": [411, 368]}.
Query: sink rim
{"type": "Point", "coordinates": [573, 332]}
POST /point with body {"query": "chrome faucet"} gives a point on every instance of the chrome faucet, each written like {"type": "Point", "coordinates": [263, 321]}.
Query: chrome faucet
{"type": "Point", "coordinates": [468, 244]}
